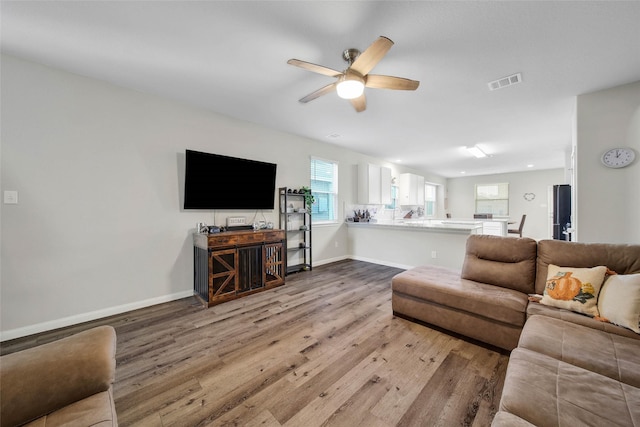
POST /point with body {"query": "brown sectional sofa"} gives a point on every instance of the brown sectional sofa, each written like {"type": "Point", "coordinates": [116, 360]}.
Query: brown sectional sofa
{"type": "Point", "coordinates": [67, 382]}
{"type": "Point", "coordinates": [576, 375]}
{"type": "Point", "coordinates": [565, 368]}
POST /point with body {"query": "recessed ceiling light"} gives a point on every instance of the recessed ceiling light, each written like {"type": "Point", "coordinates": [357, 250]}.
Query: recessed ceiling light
{"type": "Point", "coordinates": [476, 151]}
{"type": "Point", "coordinates": [462, 172]}
{"type": "Point", "coordinates": [529, 166]}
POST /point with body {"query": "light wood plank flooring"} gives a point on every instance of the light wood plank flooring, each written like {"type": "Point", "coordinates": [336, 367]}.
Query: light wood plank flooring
{"type": "Point", "coordinates": [323, 350]}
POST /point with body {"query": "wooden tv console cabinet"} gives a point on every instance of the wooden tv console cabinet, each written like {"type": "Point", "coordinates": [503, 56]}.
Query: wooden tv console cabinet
{"type": "Point", "coordinates": [233, 264]}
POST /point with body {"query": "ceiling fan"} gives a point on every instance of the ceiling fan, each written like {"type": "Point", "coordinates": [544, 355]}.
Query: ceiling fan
{"type": "Point", "coordinates": [351, 82]}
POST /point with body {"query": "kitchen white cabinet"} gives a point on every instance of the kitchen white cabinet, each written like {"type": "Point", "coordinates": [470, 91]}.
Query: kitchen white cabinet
{"type": "Point", "coordinates": [374, 184]}
{"type": "Point", "coordinates": [494, 228]}
{"type": "Point", "coordinates": [385, 186]}
{"type": "Point", "coordinates": [411, 191]}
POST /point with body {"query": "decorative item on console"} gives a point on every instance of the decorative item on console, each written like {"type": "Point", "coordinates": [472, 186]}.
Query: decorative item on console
{"type": "Point", "coordinates": [263, 225]}
{"type": "Point", "coordinates": [201, 227]}
{"type": "Point", "coordinates": [309, 199]}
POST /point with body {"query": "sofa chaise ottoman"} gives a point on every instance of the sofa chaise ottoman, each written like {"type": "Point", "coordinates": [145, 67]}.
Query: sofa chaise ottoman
{"type": "Point", "coordinates": [487, 301]}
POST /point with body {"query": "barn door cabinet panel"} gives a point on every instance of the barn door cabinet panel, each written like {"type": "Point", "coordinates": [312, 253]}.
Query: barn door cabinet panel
{"type": "Point", "coordinates": [233, 264]}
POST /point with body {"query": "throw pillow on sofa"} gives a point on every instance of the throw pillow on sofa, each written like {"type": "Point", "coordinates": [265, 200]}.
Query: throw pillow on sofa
{"type": "Point", "coordinates": [574, 289]}
{"type": "Point", "coordinates": [619, 301]}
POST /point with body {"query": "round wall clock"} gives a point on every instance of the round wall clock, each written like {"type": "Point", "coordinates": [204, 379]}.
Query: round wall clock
{"type": "Point", "coordinates": [618, 157]}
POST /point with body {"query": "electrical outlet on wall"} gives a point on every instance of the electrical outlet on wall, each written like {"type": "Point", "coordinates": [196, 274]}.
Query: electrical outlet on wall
{"type": "Point", "coordinates": [434, 254]}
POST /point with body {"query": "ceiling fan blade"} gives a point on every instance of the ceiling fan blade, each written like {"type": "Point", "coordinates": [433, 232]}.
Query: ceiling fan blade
{"type": "Point", "coordinates": [314, 68]}
{"type": "Point", "coordinates": [318, 93]}
{"type": "Point", "coordinates": [372, 55]}
{"type": "Point", "coordinates": [389, 82]}
{"type": "Point", "coordinates": [359, 103]}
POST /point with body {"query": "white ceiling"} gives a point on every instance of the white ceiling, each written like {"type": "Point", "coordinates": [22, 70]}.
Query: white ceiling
{"type": "Point", "coordinates": [230, 57]}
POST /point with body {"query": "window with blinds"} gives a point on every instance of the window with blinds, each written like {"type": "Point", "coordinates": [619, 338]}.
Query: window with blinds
{"type": "Point", "coordinates": [324, 187]}
{"type": "Point", "coordinates": [492, 199]}
{"type": "Point", "coordinates": [430, 200]}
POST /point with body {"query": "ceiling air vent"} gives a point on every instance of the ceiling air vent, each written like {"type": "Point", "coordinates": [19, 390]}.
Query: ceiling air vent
{"type": "Point", "coordinates": [505, 81]}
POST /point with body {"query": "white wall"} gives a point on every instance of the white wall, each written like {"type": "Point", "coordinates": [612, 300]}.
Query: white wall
{"type": "Point", "coordinates": [608, 200]}
{"type": "Point", "coordinates": [461, 197]}
{"type": "Point", "coordinates": [99, 228]}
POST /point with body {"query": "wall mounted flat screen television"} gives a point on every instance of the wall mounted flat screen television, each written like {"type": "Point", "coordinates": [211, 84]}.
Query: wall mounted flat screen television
{"type": "Point", "coordinates": [213, 181]}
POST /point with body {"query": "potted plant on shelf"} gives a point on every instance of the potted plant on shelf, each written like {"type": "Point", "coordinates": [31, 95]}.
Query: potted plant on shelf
{"type": "Point", "coordinates": [309, 199]}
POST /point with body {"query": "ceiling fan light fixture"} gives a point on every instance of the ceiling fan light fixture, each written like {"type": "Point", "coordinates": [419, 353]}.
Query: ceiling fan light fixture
{"type": "Point", "coordinates": [350, 88]}
{"type": "Point", "coordinates": [350, 83]}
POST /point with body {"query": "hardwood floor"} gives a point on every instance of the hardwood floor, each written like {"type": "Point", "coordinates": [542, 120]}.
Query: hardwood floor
{"type": "Point", "coordinates": [323, 350]}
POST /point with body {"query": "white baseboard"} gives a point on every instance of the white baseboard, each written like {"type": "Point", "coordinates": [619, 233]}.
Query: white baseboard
{"type": "Point", "coordinates": [382, 262]}
{"type": "Point", "coordinates": [357, 258]}
{"type": "Point", "coordinates": [330, 260]}
{"type": "Point", "coordinates": [99, 314]}
{"type": "Point", "coordinates": [86, 317]}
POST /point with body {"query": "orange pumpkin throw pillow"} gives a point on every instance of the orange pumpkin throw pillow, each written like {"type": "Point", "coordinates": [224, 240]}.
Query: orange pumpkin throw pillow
{"type": "Point", "coordinates": [574, 289]}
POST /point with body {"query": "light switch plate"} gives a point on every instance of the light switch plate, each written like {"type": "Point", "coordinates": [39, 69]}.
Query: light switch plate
{"type": "Point", "coordinates": [10, 197]}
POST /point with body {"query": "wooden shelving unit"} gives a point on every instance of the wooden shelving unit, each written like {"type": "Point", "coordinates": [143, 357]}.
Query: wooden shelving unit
{"type": "Point", "coordinates": [295, 219]}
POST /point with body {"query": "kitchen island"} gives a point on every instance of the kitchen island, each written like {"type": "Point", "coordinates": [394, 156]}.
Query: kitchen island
{"type": "Point", "coordinates": [412, 242]}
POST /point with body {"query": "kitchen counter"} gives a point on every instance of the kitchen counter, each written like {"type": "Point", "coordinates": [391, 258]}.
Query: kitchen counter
{"type": "Point", "coordinates": [406, 243]}
{"type": "Point", "coordinates": [409, 243]}
{"type": "Point", "coordinates": [438, 225]}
